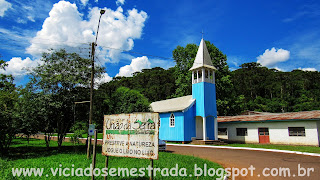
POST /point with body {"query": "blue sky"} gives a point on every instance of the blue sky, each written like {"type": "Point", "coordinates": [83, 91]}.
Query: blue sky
{"type": "Point", "coordinates": [278, 34]}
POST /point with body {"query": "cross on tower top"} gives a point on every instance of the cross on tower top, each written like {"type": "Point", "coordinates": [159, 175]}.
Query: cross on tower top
{"type": "Point", "coordinates": [202, 33]}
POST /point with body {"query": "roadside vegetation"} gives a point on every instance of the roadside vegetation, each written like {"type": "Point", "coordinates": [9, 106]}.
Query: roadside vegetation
{"type": "Point", "coordinates": [47, 103]}
{"type": "Point", "coordinates": [85, 135]}
{"type": "Point", "coordinates": [310, 149]}
{"type": "Point", "coordinates": [36, 155]}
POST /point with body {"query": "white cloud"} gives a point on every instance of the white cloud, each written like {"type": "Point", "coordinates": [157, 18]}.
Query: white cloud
{"type": "Point", "coordinates": [304, 49]}
{"type": "Point", "coordinates": [84, 2]}
{"type": "Point", "coordinates": [137, 64]}
{"type": "Point", "coordinates": [308, 69]}
{"type": "Point", "coordinates": [271, 57]}
{"type": "Point", "coordinates": [30, 11]}
{"type": "Point", "coordinates": [279, 69]}
{"type": "Point", "coordinates": [307, 11]}
{"type": "Point", "coordinates": [31, 18]}
{"type": "Point", "coordinates": [165, 64]}
{"type": "Point", "coordinates": [4, 6]}
{"type": "Point", "coordinates": [234, 61]}
{"type": "Point", "coordinates": [18, 67]}
{"type": "Point", "coordinates": [104, 78]}
{"type": "Point", "coordinates": [17, 37]}
{"type": "Point", "coordinates": [66, 28]}
{"type": "Point", "coordinates": [120, 2]}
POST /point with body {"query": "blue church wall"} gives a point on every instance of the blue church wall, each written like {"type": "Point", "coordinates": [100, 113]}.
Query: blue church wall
{"type": "Point", "coordinates": [210, 127]}
{"type": "Point", "coordinates": [198, 94]}
{"type": "Point", "coordinates": [189, 124]}
{"type": "Point", "coordinates": [168, 133]}
{"type": "Point", "coordinates": [210, 100]}
{"type": "Point", "coordinates": [208, 90]}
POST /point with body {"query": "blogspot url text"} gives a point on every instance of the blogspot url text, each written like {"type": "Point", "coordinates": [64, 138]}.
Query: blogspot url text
{"type": "Point", "coordinates": [197, 171]}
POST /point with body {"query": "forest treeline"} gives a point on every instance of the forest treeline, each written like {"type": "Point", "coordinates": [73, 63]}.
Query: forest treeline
{"type": "Point", "coordinates": [53, 101]}
{"type": "Point", "coordinates": [251, 87]}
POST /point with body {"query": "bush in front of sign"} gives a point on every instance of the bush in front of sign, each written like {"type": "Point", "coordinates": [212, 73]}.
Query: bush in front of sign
{"type": "Point", "coordinates": [78, 130]}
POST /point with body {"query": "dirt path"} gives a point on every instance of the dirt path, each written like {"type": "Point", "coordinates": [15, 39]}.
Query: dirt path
{"type": "Point", "coordinates": [244, 158]}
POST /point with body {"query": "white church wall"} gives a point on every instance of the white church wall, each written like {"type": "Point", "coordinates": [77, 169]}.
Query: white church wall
{"type": "Point", "coordinates": [278, 132]}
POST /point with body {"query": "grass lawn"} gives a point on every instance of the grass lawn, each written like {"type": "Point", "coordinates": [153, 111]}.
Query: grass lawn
{"type": "Point", "coordinates": [310, 149]}
{"type": "Point", "coordinates": [35, 155]}
{"type": "Point", "coordinates": [100, 135]}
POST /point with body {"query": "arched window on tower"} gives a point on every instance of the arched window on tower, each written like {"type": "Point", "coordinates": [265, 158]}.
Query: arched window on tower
{"type": "Point", "coordinates": [200, 76]}
{"type": "Point", "coordinates": [206, 74]}
{"type": "Point", "coordinates": [172, 120]}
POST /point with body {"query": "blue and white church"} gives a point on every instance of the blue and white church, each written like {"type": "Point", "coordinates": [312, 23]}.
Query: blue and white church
{"type": "Point", "coordinates": [192, 117]}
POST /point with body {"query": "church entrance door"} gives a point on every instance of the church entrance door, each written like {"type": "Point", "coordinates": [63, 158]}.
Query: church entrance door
{"type": "Point", "coordinates": [199, 128]}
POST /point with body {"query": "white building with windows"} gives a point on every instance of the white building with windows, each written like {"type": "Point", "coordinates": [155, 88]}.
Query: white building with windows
{"type": "Point", "coordinates": [295, 128]}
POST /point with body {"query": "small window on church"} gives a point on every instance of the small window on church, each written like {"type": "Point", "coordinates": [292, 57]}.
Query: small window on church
{"type": "Point", "coordinates": [194, 75]}
{"type": "Point", "coordinates": [207, 74]}
{"type": "Point", "coordinates": [159, 122]}
{"type": "Point", "coordinates": [172, 120]}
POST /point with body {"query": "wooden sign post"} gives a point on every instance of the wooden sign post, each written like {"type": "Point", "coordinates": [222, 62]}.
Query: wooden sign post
{"type": "Point", "coordinates": [107, 158]}
{"type": "Point", "coordinates": [94, 153]}
{"type": "Point", "coordinates": [131, 135]}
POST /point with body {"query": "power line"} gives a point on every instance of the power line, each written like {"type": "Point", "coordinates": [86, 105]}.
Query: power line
{"type": "Point", "coordinates": [69, 43]}
{"type": "Point", "coordinates": [134, 52]}
{"type": "Point", "coordinates": [45, 41]}
{"type": "Point", "coordinates": [99, 61]}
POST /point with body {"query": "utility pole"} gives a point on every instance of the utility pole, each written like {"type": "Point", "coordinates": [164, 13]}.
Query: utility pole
{"type": "Point", "coordinates": [91, 96]}
{"type": "Point", "coordinates": [93, 46]}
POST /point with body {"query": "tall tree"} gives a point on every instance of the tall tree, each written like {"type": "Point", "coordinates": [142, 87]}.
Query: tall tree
{"type": "Point", "coordinates": [125, 100]}
{"type": "Point", "coordinates": [9, 120]}
{"type": "Point", "coordinates": [57, 77]}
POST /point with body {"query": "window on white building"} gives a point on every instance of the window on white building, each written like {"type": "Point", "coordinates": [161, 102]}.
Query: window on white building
{"type": "Point", "coordinates": [242, 132]}
{"type": "Point", "coordinates": [172, 120]}
{"type": "Point", "coordinates": [159, 122]}
{"type": "Point", "coordinates": [222, 131]}
{"type": "Point", "coordinates": [297, 131]}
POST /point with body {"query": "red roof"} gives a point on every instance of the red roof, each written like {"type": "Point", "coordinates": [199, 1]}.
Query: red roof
{"type": "Point", "coordinates": [312, 115]}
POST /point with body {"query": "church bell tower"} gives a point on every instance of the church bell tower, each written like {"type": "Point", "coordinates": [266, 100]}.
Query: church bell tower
{"type": "Point", "coordinates": [204, 91]}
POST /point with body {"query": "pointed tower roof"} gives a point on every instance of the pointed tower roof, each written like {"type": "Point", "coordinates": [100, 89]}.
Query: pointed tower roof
{"type": "Point", "coordinates": [203, 58]}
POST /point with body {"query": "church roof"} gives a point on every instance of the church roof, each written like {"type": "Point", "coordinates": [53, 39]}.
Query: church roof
{"type": "Point", "coordinates": [203, 58]}
{"type": "Point", "coordinates": [174, 104]}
